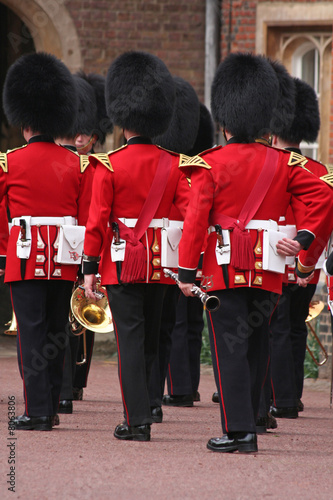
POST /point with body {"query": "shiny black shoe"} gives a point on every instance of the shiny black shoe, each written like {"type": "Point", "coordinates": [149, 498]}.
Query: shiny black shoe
{"type": "Point", "coordinates": [284, 412]}
{"type": "Point", "coordinates": [238, 441]}
{"type": "Point", "coordinates": [186, 400]}
{"type": "Point", "coordinates": [215, 397]}
{"type": "Point", "coordinates": [196, 396]}
{"type": "Point", "coordinates": [261, 425]}
{"type": "Point", "coordinates": [25, 423]}
{"type": "Point", "coordinates": [133, 432]}
{"type": "Point", "coordinates": [300, 405]}
{"type": "Point", "coordinates": [55, 420]}
{"type": "Point", "coordinates": [271, 421]}
{"type": "Point", "coordinates": [65, 406]}
{"type": "Point", "coordinates": [156, 414]}
{"type": "Point", "coordinates": [77, 393]}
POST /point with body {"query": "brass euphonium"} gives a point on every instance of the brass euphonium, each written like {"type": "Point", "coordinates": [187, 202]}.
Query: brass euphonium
{"type": "Point", "coordinates": [210, 302]}
{"type": "Point", "coordinates": [86, 314]}
{"type": "Point", "coordinates": [91, 315]}
{"type": "Point", "coordinates": [12, 324]}
{"type": "Point", "coordinates": [315, 308]}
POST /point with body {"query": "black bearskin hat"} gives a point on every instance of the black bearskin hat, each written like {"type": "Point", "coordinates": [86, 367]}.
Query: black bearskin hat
{"type": "Point", "coordinates": [306, 124]}
{"type": "Point", "coordinates": [39, 92]}
{"type": "Point", "coordinates": [86, 116]}
{"type": "Point", "coordinates": [140, 93]}
{"type": "Point", "coordinates": [284, 113]}
{"type": "Point", "coordinates": [183, 128]}
{"type": "Point", "coordinates": [103, 125]}
{"type": "Point", "coordinates": [205, 136]}
{"type": "Point", "coordinates": [244, 93]}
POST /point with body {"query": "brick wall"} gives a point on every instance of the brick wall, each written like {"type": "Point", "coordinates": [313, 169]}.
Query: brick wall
{"type": "Point", "coordinates": [173, 30]}
{"type": "Point", "coordinates": [238, 33]}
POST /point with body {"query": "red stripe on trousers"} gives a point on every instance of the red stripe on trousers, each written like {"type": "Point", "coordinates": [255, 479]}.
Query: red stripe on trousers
{"type": "Point", "coordinates": [219, 373]}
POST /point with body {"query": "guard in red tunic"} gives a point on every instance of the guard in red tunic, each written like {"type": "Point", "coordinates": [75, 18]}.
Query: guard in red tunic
{"type": "Point", "coordinates": [183, 369]}
{"type": "Point", "coordinates": [48, 189]}
{"type": "Point", "coordinates": [133, 191]}
{"type": "Point", "coordinates": [288, 326]}
{"type": "Point", "coordinates": [91, 131]}
{"type": "Point", "coordinates": [180, 137]}
{"type": "Point", "coordinates": [238, 194]}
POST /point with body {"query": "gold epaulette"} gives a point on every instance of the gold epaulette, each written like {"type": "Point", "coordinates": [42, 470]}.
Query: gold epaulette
{"type": "Point", "coordinates": [104, 159]}
{"type": "Point", "coordinates": [84, 162]}
{"type": "Point", "coordinates": [328, 178]}
{"type": "Point", "coordinates": [3, 157]}
{"type": "Point", "coordinates": [192, 161]}
{"type": "Point", "coordinates": [3, 162]}
{"type": "Point", "coordinates": [297, 159]}
{"type": "Point", "coordinates": [15, 149]}
{"type": "Point", "coordinates": [118, 149]}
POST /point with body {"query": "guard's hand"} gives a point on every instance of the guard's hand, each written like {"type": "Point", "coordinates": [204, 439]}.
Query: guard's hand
{"type": "Point", "coordinates": [90, 286]}
{"type": "Point", "coordinates": [186, 289]}
{"type": "Point", "coordinates": [303, 282]}
{"type": "Point", "coordinates": [288, 247]}
{"type": "Point", "coordinates": [2, 272]}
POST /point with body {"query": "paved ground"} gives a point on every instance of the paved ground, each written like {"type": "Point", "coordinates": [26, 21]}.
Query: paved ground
{"type": "Point", "coordinates": [81, 459]}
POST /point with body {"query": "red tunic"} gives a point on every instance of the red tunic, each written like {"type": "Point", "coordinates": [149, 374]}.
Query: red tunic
{"type": "Point", "coordinates": [43, 179]}
{"type": "Point", "coordinates": [223, 187]}
{"type": "Point", "coordinates": [124, 191]}
{"type": "Point", "coordinates": [3, 228]}
{"type": "Point", "coordinates": [297, 211]}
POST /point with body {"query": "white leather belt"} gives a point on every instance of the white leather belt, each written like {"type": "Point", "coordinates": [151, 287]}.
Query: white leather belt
{"type": "Point", "coordinates": [132, 222]}
{"type": "Point", "coordinates": [174, 223]}
{"type": "Point", "coordinates": [47, 221]}
{"type": "Point", "coordinates": [255, 224]}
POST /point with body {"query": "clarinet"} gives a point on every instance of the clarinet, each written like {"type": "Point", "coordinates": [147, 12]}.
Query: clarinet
{"type": "Point", "coordinates": [210, 302]}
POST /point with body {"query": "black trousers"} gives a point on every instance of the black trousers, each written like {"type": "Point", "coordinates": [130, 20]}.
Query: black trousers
{"type": "Point", "coordinates": [136, 311]}
{"type": "Point", "coordinates": [239, 338]}
{"type": "Point", "coordinates": [69, 366]}
{"type": "Point", "coordinates": [160, 364]}
{"type": "Point", "coordinates": [300, 301]}
{"type": "Point", "coordinates": [282, 361]}
{"type": "Point", "coordinates": [41, 308]}
{"type": "Point", "coordinates": [289, 344]}
{"type": "Point", "coordinates": [183, 373]}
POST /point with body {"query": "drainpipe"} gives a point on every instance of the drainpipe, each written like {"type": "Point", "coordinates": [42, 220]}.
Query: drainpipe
{"type": "Point", "coordinates": [212, 44]}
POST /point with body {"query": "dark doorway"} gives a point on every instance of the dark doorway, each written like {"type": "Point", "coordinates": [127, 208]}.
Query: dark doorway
{"type": "Point", "coordinates": [15, 40]}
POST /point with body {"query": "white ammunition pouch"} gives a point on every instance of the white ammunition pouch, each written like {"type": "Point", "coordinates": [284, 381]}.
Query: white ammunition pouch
{"type": "Point", "coordinates": [71, 240]}
{"type": "Point", "coordinates": [291, 231]}
{"type": "Point", "coordinates": [271, 260]}
{"type": "Point", "coordinates": [171, 234]}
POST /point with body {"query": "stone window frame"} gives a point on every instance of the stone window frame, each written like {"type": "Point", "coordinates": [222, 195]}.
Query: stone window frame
{"type": "Point", "coordinates": [303, 21]}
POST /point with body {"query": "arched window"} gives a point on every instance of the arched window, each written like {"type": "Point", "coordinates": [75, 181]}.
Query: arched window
{"type": "Point", "coordinates": [307, 55]}
{"type": "Point", "coordinates": [306, 66]}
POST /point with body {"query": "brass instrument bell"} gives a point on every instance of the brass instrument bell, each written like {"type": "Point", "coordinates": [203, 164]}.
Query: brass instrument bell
{"type": "Point", "coordinates": [315, 308]}
{"type": "Point", "coordinates": [94, 316]}
{"type": "Point", "coordinates": [12, 324]}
